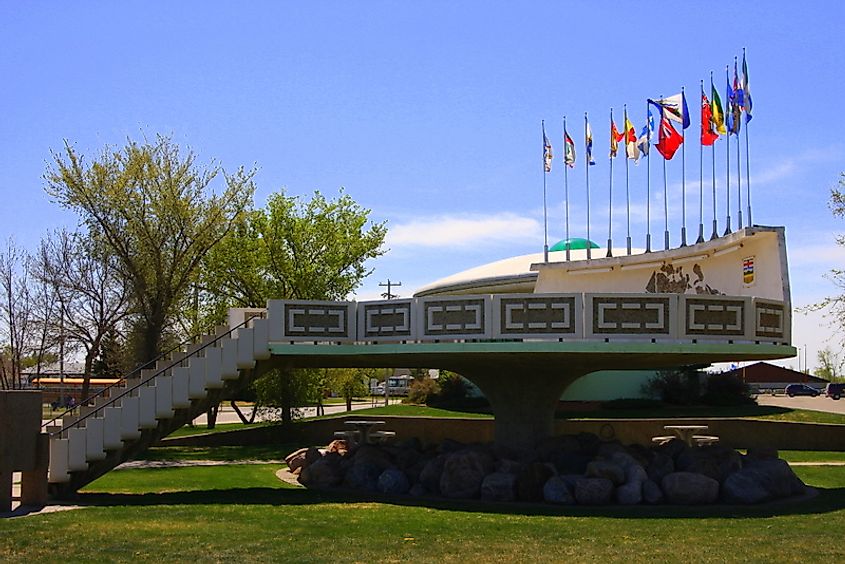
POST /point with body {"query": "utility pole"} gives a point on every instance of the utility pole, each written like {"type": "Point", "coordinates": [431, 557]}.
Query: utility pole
{"type": "Point", "coordinates": [389, 295]}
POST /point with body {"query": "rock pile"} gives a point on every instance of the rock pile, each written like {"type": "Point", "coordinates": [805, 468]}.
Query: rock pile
{"type": "Point", "coordinates": [569, 469]}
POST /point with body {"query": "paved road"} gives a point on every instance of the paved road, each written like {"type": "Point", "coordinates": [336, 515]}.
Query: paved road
{"type": "Point", "coordinates": [228, 415]}
{"type": "Point", "coordinates": [819, 403]}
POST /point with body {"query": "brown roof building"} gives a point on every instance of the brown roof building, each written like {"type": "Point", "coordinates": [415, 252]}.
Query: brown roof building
{"type": "Point", "coordinates": [763, 374]}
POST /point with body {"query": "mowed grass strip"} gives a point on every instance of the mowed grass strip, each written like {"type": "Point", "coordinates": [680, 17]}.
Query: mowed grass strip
{"type": "Point", "coordinates": [256, 519]}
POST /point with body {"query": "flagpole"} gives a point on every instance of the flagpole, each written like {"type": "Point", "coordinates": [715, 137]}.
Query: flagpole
{"type": "Point", "coordinates": [683, 176]}
{"type": "Point", "coordinates": [610, 196]}
{"type": "Point", "coordinates": [665, 208]}
{"type": "Point", "coordinates": [545, 214]}
{"type": "Point", "coordinates": [701, 177]}
{"type": "Point", "coordinates": [747, 154]}
{"type": "Point", "coordinates": [648, 183]}
{"type": "Point", "coordinates": [587, 168]}
{"type": "Point", "coordinates": [627, 192]}
{"type": "Point", "coordinates": [566, 185]}
{"type": "Point", "coordinates": [738, 120]}
{"type": "Point", "coordinates": [728, 167]}
{"type": "Point", "coordinates": [715, 234]}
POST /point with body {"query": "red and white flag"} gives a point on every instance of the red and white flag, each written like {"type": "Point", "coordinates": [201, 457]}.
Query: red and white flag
{"type": "Point", "coordinates": [668, 139]}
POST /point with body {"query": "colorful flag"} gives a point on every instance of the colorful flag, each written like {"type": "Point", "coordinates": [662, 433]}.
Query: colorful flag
{"type": "Point", "coordinates": [615, 138]}
{"type": "Point", "coordinates": [716, 111]}
{"type": "Point", "coordinates": [674, 108]}
{"type": "Point", "coordinates": [631, 150]}
{"type": "Point", "coordinates": [746, 89]}
{"type": "Point", "coordinates": [733, 109]}
{"type": "Point", "coordinates": [568, 150]}
{"type": "Point", "coordinates": [668, 139]}
{"type": "Point", "coordinates": [588, 142]}
{"type": "Point", "coordinates": [708, 134]}
{"type": "Point", "coordinates": [644, 142]}
{"type": "Point", "coordinates": [547, 152]}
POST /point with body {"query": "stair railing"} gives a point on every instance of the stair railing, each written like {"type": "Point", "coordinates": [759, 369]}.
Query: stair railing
{"type": "Point", "coordinates": [158, 373]}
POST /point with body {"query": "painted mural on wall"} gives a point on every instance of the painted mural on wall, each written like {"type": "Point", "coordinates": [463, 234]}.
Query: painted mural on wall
{"type": "Point", "coordinates": [673, 280]}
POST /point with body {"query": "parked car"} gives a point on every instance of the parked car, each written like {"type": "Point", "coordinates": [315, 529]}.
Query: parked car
{"type": "Point", "coordinates": [834, 391]}
{"type": "Point", "coordinates": [793, 390]}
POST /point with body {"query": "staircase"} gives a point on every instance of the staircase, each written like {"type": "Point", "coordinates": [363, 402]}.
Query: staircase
{"type": "Point", "coordinates": [148, 405]}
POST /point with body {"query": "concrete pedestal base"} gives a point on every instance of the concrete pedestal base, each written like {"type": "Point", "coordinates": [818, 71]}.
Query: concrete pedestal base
{"type": "Point", "coordinates": [5, 491]}
{"type": "Point", "coordinates": [524, 400]}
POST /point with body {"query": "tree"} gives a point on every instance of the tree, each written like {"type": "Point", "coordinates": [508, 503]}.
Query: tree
{"type": "Point", "coordinates": [149, 205]}
{"type": "Point", "coordinates": [91, 294]}
{"type": "Point", "coordinates": [349, 383]}
{"type": "Point", "coordinates": [293, 249]}
{"type": "Point", "coordinates": [830, 365]}
{"type": "Point", "coordinates": [16, 315]}
{"type": "Point", "coordinates": [835, 305]}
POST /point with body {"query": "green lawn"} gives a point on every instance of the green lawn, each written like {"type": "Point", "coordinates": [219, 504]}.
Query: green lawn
{"type": "Point", "coordinates": [222, 453]}
{"type": "Point", "coordinates": [242, 512]}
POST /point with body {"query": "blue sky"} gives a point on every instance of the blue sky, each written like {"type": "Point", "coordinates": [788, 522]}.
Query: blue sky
{"type": "Point", "coordinates": [428, 113]}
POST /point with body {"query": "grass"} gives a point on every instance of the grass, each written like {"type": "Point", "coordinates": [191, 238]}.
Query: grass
{"type": "Point", "coordinates": [219, 453]}
{"type": "Point", "coordinates": [812, 456]}
{"type": "Point", "coordinates": [242, 512]}
{"type": "Point", "coordinates": [767, 412]}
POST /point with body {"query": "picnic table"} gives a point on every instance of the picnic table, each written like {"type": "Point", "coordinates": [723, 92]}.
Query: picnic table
{"type": "Point", "coordinates": [690, 434]}
{"type": "Point", "coordinates": [361, 429]}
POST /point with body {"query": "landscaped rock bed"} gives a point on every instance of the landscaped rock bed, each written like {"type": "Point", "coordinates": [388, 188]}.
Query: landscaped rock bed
{"type": "Point", "coordinates": [570, 469]}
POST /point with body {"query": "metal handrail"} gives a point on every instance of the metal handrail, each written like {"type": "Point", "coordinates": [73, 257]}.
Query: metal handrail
{"type": "Point", "coordinates": [122, 379]}
{"type": "Point", "coordinates": [153, 377]}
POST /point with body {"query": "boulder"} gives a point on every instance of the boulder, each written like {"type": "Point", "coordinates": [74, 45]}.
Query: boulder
{"type": "Point", "coordinates": [630, 493]}
{"type": "Point", "coordinates": [312, 455]}
{"type": "Point", "coordinates": [652, 494]}
{"type": "Point", "coordinates": [296, 459]}
{"type": "Point", "coordinates": [323, 473]}
{"type": "Point", "coordinates": [593, 491]}
{"type": "Point", "coordinates": [742, 487]}
{"type": "Point", "coordinates": [673, 448]}
{"type": "Point", "coordinates": [775, 476]}
{"type": "Point", "coordinates": [605, 469]}
{"type": "Point", "coordinates": [499, 486]}
{"type": "Point", "coordinates": [393, 481]}
{"type": "Point", "coordinates": [624, 460]}
{"type": "Point", "coordinates": [508, 466]}
{"type": "Point", "coordinates": [363, 476]}
{"type": "Point", "coordinates": [571, 463]}
{"type": "Point", "coordinates": [716, 461]}
{"type": "Point", "coordinates": [635, 473]}
{"type": "Point", "coordinates": [463, 473]}
{"type": "Point", "coordinates": [339, 446]}
{"type": "Point", "coordinates": [431, 473]}
{"type": "Point", "coordinates": [417, 490]}
{"type": "Point", "coordinates": [371, 454]}
{"type": "Point", "coordinates": [449, 446]}
{"type": "Point", "coordinates": [530, 481]}
{"type": "Point", "coordinates": [556, 490]}
{"type": "Point", "coordinates": [688, 488]}
{"type": "Point", "coordinates": [412, 443]}
{"type": "Point", "coordinates": [659, 466]}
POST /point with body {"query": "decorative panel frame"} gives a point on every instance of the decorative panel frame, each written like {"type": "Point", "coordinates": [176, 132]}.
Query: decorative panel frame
{"type": "Point", "coordinates": [454, 318]}
{"type": "Point", "coordinates": [722, 318]}
{"type": "Point", "coordinates": [771, 321]}
{"type": "Point", "coordinates": [312, 321]}
{"type": "Point", "coordinates": [387, 320]}
{"type": "Point", "coordinates": [631, 316]}
{"type": "Point", "coordinates": [538, 316]}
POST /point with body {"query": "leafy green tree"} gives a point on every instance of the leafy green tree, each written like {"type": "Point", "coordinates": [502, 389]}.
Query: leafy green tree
{"type": "Point", "coordinates": [830, 365]}
{"type": "Point", "coordinates": [151, 205]}
{"type": "Point", "coordinates": [293, 249]}
{"type": "Point", "coordinates": [288, 389]}
{"type": "Point", "coordinates": [349, 383]}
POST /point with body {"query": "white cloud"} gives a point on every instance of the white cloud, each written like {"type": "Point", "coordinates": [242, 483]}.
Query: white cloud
{"type": "Point", "coordinates": [464, 231]}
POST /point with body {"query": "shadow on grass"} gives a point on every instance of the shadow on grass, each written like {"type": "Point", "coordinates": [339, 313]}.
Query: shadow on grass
{"type": "Point", "coordinates": [828, 500]}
